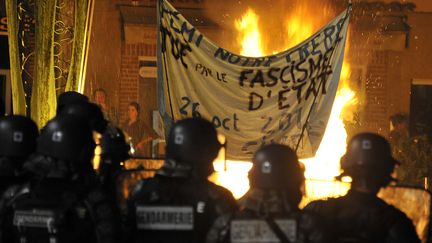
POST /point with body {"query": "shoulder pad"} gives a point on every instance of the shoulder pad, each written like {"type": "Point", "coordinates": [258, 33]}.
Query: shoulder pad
{"type": "Point", "coordinates": [309, 218]}
{"type": "Point", "coordinates": [319, 205]}
{"type": "Point", "coordinates": [220, 229]}
{"type": "Point", "coordinates": [216, 192]}
{"type": "Point", "coordinates": [137, 189]}
{"type": "Point", "coordinates": [145, 185]}
{"type": "Point", "coordinates": [223, 199]}
{"type": "Point", "coordinates": [16, 191]}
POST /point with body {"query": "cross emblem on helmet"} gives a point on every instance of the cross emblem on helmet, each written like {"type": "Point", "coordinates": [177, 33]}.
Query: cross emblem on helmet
{"type": "Point", "coordinates": [57, 136]}
{"type": "Point", "coordinates": [178, 139]}
{"type": "Point", "coordinates": [366, 144]}
{"type": "Point", "coordinates": [18, 137]}
{"type": "Point", "coordinates": [266, 167]}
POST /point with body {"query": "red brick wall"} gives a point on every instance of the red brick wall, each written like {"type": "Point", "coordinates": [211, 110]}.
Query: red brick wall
{"type": "Point", "coordinates": [129, 78]}
{"type": "Point", "coordinates": [376, 93]}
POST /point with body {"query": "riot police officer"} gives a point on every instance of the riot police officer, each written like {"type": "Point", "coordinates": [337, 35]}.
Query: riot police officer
{"type": "Point", "coordinates": [114, 151]}
{"type": "Point", "coordinates": [179, 204]}
{"type": "Point", "coordinates": [89, 112]}
{"type": "Point", "coordinates": [68, 98]}
{"type": "Point", "coordinates": [61, 203]}
{"type": "Point", "coordinates": [18, 140]}
{"type": "Point", "coordinates": [269, 211]}
{"type": "Point", "coordinates": [360, 216]}
{"type": "Point", "coordinates": [108, 137]}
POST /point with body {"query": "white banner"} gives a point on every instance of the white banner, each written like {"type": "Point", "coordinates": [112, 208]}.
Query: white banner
{"type": "Point", "coordinates": [285, 98]}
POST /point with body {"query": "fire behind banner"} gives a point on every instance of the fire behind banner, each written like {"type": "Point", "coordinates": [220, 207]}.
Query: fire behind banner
{"type": "Point", "coordinates": [284, 98]}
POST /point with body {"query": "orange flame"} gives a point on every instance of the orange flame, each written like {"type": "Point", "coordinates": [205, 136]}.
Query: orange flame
{"type": "Point", "coordinates": [325, 165]}
{"type": "Point", "coordinates": [302, 23]}
{"type": "Point", "coordinates": [250, 36]}
{"type": "Point", "coordinates": [297, 28]}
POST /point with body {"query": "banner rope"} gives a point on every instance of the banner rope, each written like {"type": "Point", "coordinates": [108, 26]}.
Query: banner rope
{"type": "Point", "coordinates": [320, 84]}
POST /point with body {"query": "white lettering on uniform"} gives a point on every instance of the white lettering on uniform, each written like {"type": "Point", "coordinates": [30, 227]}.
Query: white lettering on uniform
{"type": "Point", "coordinates": [200, 207]}
{"type": "Point", "coordinates": [164, 217]}
{"type": "Point", "coordinates": [34, 218]}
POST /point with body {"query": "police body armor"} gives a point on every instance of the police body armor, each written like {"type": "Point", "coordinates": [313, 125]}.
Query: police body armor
{"type": "Point", "coordinates": [364, 218]}
{"type": "Point", "coordinates": [17, 141]}
{"type": "Point", "coordinates": [176, 210]}
{"type": "Point", "coordinates": [114, 151]}
{"type": "Point", "coordinates": [269, 211]}
{"type": "Point", "coordinates": [51, 211]}
{"type": "Point", "coordinates": [180, 204]}
{"type": "Point", "coordinates": [265, 216]}
{"type": "Point", "coordinates": [64, 201]}
{"type": "Point", "coordinates": [8, 175]}
{"type": "Point", "coordinates": [360, 216]}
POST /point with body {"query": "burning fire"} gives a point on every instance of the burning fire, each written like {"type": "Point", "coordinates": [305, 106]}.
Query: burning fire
{"type": "Point", "coordinates": [250, 36]}
{"type": "Point", "coordinates": [325, 165]}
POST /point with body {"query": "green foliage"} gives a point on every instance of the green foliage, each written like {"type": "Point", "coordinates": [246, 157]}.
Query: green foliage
{"type": "Point", "coordinates": [415, 156]}
{"type": "Point", "coordinates": [413, 153]}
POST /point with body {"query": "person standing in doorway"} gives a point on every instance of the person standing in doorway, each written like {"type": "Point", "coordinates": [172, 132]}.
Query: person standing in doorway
{"type": "Point", "coordinates": [100, 98]}
{"type": "Point", "coordinates": [140, 135]}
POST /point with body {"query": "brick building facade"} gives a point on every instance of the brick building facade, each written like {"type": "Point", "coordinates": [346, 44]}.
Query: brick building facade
{"type": "Point", "coordinates": [388, 50]}
{"type": "Point", "coordinates": [388, 45]}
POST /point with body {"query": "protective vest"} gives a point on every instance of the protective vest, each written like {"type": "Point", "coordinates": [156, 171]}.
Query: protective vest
{"type": "Point", "coordinates": [164, 209]}
{"type": "Point", "coordinates": [264, 216]}
{"type": "Point", "coordinates": [58, 211]}
{"type": "Point", "coordinates": [360, 217]}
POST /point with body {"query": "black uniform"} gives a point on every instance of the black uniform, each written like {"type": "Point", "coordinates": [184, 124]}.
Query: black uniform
{"type": "Point", "coordinates": [17, 141]}
{"type": "Point", "coordinates": [269, 211]}
{"type": "Point", "coordinates": [63, 201]}
{"type": "Point", "coordinates": [8, 175]}
{"type": "Point", "coordinates": [56, 210]}
{"type": "Point", "coordinates": [264, 216]}
{"type": "Point", "coordinates": [362, 217]}
{"type": "Point", "coordinates": [10, 182]}
{"type": "Point", "coordinates": [18, 136]}
{"type": "Point", "coordinates": [179, 204]}
{"type": "Point", "coordinates": [165, 209]}
{"type": "Point", "coordinates": [114, 151]}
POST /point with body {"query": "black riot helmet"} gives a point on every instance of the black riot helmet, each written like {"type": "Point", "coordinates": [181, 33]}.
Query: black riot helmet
{"type": "Point", "coordinates": [193, 141]}
{"type": "Point", "coordinates": [68, 98]}
{"type": "Point", "coordinates": [89, 112]}
{"type": "Point", "coordinates": [114, 151]}
{"type": "Point", "coordinates": [276, 166]}
{"type": "Point", "coordinates": [67, 138]}
{"type": "Point", "coordinates": [18, 136]}
{"type": "Point", "coordinates": [368, 156]}
{"type": "Point", "coordinates": [114, 145]}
